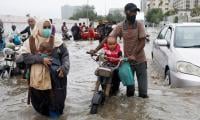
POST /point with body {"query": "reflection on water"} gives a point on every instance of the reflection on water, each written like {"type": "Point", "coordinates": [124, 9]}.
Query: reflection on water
{"type": "Point", "coordinates": [164, 103]}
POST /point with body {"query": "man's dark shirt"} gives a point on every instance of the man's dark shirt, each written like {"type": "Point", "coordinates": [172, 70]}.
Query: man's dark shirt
{"type": "Point", "coordinates": [26, 30]}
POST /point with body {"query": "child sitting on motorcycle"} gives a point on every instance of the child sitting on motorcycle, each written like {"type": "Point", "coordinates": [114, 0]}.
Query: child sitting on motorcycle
{"type": "Point", "coordinates": [112, 51]}
{"type": "Point", "coordinates": [112, 55]}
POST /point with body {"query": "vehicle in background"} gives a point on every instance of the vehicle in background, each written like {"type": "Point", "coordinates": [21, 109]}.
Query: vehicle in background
{"type": "Point", "coordinates": [85, 35]}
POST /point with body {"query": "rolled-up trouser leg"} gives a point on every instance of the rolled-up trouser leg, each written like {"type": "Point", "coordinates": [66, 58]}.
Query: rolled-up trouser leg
{"type": "Point", "coordinates": [130, 90]}
{"type": "Point", "coordinates": [115, 82]}
{"type": "Point", "coordinates": [141, 73]}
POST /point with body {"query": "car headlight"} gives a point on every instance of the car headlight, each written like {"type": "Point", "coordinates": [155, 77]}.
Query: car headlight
{"type": "Point", "coordinates": [188, 68]}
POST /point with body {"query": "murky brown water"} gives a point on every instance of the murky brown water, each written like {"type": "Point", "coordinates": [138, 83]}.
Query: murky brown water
{"type": "Point", "coordinates": [164, 103]}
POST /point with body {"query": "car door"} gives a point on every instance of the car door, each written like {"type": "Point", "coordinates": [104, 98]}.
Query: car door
{"type": "Point", "coordinates": [164, 51]}
{"type": "Point", "coordinates": [156, 47]}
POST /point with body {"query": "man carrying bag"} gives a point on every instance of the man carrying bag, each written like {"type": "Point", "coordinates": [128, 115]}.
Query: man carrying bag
{"type": "Point", "coordinates": [134, 35]}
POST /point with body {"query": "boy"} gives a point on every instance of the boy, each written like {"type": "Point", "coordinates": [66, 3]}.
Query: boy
{"type": "Point", "coordinates": [112, 55]}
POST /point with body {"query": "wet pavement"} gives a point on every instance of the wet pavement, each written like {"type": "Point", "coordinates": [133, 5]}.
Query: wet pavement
{"type": "Point", "coordinates": [164, 103]}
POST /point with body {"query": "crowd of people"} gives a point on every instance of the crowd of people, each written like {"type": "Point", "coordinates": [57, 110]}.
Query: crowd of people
{"type": "Point", "coordinates": [47, 58]}
{"type": "Point", "coordinates": [81, 31]}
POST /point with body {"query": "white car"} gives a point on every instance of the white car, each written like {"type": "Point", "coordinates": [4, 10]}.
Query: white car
{"type": "Point", "coordinates": [177, 52]}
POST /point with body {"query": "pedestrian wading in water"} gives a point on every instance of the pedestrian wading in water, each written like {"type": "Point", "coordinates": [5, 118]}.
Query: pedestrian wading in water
{"type": "Point", "coordinates": [133, 34]}
{"type": "Point", "coordinates": [48, 61]}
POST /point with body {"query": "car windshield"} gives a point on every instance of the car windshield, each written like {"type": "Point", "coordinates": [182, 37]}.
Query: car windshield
{"type": "Point", "coordinates": [187, 37]}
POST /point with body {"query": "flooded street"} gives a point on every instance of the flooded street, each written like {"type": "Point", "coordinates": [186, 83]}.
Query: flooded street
{"type": "Point", "coordinates": [164, 103]}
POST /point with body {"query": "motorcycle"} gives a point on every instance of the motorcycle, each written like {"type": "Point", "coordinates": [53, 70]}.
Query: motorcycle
{"type": "Point", "coordinates": [8, 65]}
{"type": "Point", "coordinates": [108, 81]}
{"type": "Point", "coordinates": [66, 36]}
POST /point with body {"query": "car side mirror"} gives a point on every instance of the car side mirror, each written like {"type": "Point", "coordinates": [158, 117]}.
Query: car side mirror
{"type": "Point", "coordinates": [161, 42]}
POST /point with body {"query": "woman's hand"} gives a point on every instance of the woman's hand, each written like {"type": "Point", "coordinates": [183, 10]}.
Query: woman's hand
{"type": "Point", "coordinates": [47, 61]}
{"type": "Point", "coordinates": [60, 72]}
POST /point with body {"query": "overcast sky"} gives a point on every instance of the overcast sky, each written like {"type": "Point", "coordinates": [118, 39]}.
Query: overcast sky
{"type": "Point", "coordinates": [52, 8]}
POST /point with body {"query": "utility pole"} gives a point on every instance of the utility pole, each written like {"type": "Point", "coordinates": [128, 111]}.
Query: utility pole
{"type": "Point", "coordinates": [105, 7]}
{"type": "Point", "coordinates": [87, 11]}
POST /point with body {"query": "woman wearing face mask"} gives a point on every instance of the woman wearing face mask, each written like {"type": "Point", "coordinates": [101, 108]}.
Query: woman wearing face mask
{"type": "Point", "coordinates": [134, 35]}
{"type": "Point", "coordinates": [47, 91]}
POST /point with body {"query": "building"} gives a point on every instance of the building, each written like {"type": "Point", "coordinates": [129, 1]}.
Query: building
{"type": "Point", "coordinates": [184, 7]}
{"type": "Point", "coordinates": [185, 4]}
{"type": "Point", "coordinates": [148, 4]}
{"type": "Point", "coordinates": [68, 11]}
{"type": "Point", "coordinates": [171, 4]}
{"type": "Point", "coordinates": [143, 5]}
{"type": "Point", "coordinates": [162, 4]}
{"type": "Point", "coordinates": [195, 3]}
{"type": "Point", "coordinates": [181, 5]}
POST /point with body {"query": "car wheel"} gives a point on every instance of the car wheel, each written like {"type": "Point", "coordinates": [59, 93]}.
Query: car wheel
{"type": "Point", "coordinates": [167, 78]}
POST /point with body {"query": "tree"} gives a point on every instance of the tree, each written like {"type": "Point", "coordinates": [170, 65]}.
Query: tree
{"type": "Point", "coordinates": [170, 12]}
{"type": "Point", "coordinates": [115, 16]}
{"type": "Point", "coordinates": [100, 17]}
{"type": "Point", "coordinates": [154, 15]}
{"type": "Point", "coordinates": [89, 11]}
{"type": "Point", "coordinates": [195, 11]}
{"type": "Point", "coordinates": [85, 11]}
{"type": "Point", "coordinates": [176, 19]}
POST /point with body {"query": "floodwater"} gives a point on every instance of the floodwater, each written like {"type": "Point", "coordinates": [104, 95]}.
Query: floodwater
{"type": "Point", "coordinates": [164, 103]}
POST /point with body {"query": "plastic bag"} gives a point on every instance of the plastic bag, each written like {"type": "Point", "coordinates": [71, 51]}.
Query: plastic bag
{"type": "Point", "coordinates": [17, 40]}
{"type": "Point", "coordinates": [126, 74]}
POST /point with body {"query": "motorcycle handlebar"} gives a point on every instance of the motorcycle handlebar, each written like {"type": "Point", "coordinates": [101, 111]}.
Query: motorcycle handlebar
{"type": "Point", "coordinates": [92, 54]}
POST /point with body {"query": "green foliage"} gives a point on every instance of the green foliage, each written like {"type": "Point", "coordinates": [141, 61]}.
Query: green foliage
{"type": "Point", "coordinates": [72, 18]}
{"type": "Point", "coordinates": [176, 19]}
{"type": "Point", "coordinates": [195, 11]}
{"type": "Point", "coordinates": [170, 12]}
{"type": "Point", "coordinates": [115, 16]}
{"type": "Point", "coordinates": [84, 12]}
{"type": "Point", "coordinates": [100, 17]}
{"type": "Point", "coordinates": [154, 15]}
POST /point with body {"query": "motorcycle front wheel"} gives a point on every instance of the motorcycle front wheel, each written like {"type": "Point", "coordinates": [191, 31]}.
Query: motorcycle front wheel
{"type": "Point", "coordinates": [94, 109]}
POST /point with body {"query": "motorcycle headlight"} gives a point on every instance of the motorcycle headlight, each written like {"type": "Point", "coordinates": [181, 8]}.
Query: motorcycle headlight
{"type": "Point", "coordinates": [188, 68]}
